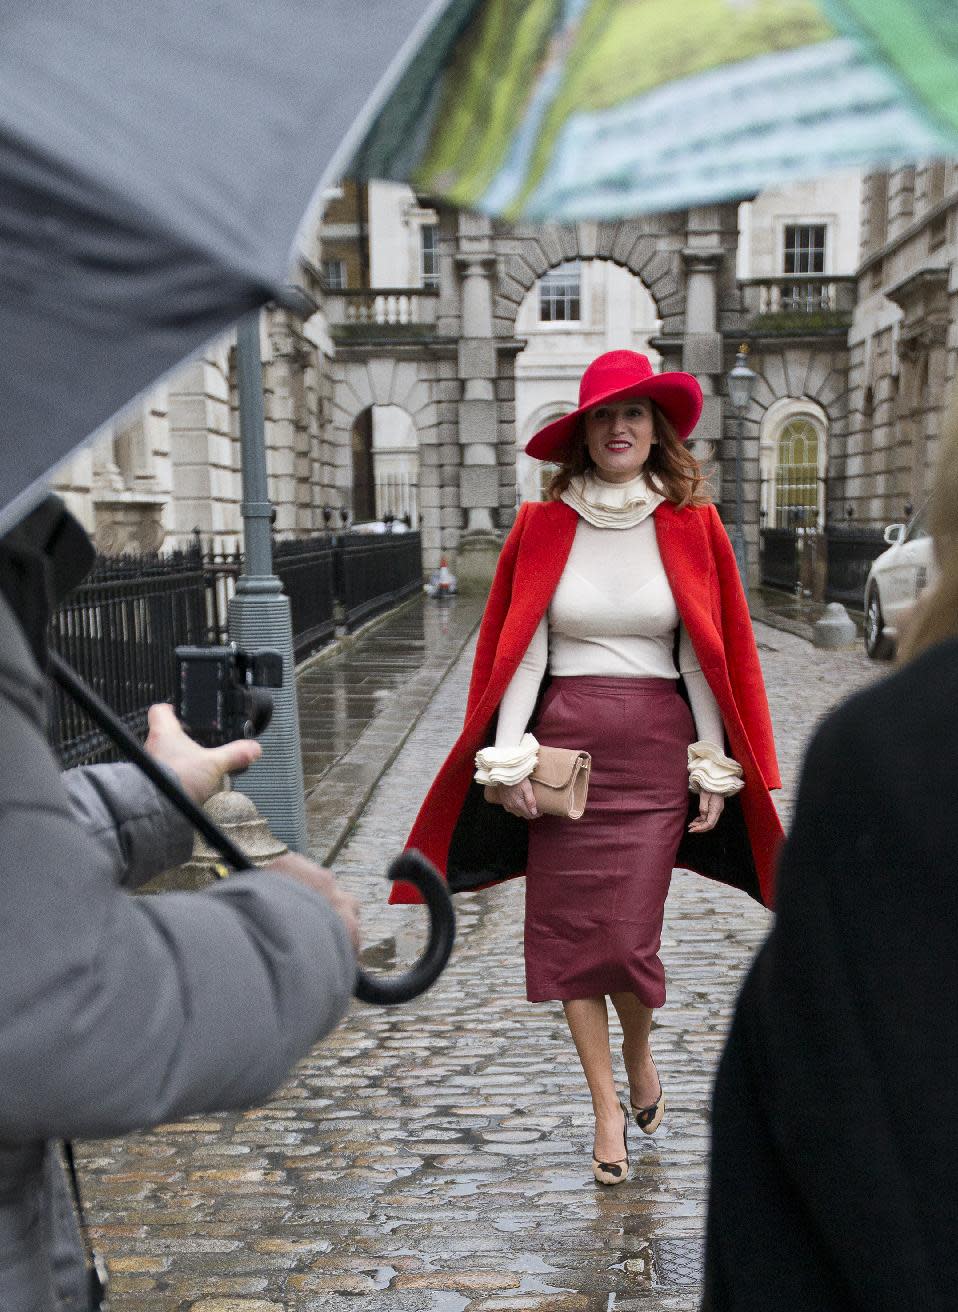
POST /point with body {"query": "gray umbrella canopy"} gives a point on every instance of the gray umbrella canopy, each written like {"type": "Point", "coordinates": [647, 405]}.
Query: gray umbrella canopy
{"type": "Point", "coordinates": [156, 163]}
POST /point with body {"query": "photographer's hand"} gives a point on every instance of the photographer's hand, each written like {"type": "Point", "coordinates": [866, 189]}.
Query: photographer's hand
{"type": "Point", "coordinates": [321, 880]}
{"type": "Point", "coordinates": [200, 770]}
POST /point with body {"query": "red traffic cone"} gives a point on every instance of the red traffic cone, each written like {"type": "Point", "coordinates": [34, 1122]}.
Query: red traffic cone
{"type": "Point", "coordinates": [444, 582]}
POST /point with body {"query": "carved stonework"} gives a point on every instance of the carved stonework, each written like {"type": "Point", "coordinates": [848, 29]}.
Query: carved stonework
{"type": "Point", "coordinates": [128, 523]}
{"type": "Point", "coordinates": [287, 342]}
{"type": "Point", "coordinates": [918, 339]}
{"type": "Point", "coordinates": [703, 259]}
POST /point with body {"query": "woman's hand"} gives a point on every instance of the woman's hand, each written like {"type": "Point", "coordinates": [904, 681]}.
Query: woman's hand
{"type": "Point", "coordinates": [200, 770]}
{"type": "Point", "coordinates": [711, 806]}
{"type": "Point", "coordinates": [518, 799]}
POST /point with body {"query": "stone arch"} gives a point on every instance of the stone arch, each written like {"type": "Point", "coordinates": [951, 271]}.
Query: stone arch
{"type": "Point", "coordinates": [684, 259]}
{"type": "Point", "coordinates": [365, 381]}
{"type": "Point", "coordinates": [529, 472]}
{"type": "Point", "coordinates": [650, 247]}
{"type": "Point", "coordinates": [792, 379]}
{"type": "Point", "coordinates": [385, 464]}
{"type": "Point", "coordinates": [602, 305]}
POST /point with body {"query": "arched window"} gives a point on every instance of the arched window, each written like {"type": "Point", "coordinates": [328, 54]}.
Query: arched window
{"type": "Point", "coordinates": [798, 455]}
{"type": "Point", "coordinates": [547, 472]}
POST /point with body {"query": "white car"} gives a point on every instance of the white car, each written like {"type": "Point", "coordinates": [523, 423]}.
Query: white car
{"type": "Point", "coordinates": [895, 581]}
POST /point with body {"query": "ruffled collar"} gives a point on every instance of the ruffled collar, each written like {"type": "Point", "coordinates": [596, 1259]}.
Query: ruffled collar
{"type": "Point", "coordinates": [612, 505]}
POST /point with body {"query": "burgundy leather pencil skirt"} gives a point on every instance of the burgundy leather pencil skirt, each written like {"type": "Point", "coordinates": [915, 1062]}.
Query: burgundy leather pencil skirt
{"type": "Point", "coordinates": [596, 887]}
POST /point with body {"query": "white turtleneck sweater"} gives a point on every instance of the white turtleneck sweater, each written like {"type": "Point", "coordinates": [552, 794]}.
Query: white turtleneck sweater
{"type": "Point", "coordinates": [612, 614]}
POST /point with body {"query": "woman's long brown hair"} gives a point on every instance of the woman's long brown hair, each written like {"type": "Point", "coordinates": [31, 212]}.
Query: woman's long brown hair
{"type": "Point", "coordinates": [936, 616]}
{"type": "Point", "coordinates": [671, 465]}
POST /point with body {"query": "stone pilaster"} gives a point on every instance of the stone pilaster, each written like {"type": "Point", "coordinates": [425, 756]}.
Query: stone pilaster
{"type": "Point", "coordinates": [205, 474]}
{"type": "Point", "coordinates": [702, 349]}
{"type": "Point", "coordinates": [479, 472]}
{"type": "Point", "coordinates": [287, 423]}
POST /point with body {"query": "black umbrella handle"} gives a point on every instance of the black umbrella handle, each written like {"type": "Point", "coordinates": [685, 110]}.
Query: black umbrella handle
{"type": "Point", "coordinates": [411, 866]}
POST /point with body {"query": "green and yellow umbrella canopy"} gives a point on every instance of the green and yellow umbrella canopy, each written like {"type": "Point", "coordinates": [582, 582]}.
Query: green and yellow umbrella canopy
{"type": "Point", "coordinates": [570, 109]}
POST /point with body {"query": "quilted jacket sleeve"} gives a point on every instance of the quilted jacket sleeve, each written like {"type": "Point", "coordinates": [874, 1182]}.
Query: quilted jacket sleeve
{"type": "Point", "coordinates": [119, 1011]}
{"type": "Point", "coordinates": [140, 832]}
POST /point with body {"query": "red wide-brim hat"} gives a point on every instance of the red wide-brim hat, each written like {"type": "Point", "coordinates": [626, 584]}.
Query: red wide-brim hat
{"type": "Point", "coordinates": [614, 377]}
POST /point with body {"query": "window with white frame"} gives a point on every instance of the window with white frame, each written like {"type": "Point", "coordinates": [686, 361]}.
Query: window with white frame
{"type": "Point", "coordinates": [798, 457]}
{"type": "Point", "coordinates": [429, 253]}
{"type": "Point", "coordinates": [334, 274]}
{"type": "Point", "coordinates": [560, 293]}
{"type": "Point", "coordinates": [804, 254]}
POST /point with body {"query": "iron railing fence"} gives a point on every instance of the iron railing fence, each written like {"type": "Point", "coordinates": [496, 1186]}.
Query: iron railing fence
{"type": "Point", "coordinates": [779, 557]}
{"type": "Point", "coordinates": [120, 628]}
{"type": "Point", "coordinates": [221, 569]}
{"type": "Point", "coordinates": [376, 571]}
{"type": "Point", "coordinates": [851, 550]}
{"type": "Point", "coordinates": [307, 571]}
{"type": "Point", "coordinates": [791, 558]}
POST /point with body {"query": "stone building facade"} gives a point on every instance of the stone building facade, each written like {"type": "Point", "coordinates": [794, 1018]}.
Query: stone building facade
{"type": "Point", "coordinates": [447, 356]}
{"type": "Point", "coordinates": [902, 342]}
{"type": "Point", "coordinates": [402, 393]}
{"type": "Point", "coordinates": [168, 469]}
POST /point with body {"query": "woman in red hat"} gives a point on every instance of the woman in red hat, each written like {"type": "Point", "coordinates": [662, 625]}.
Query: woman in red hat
{"type": "Point", "coordinates": [616, 625]}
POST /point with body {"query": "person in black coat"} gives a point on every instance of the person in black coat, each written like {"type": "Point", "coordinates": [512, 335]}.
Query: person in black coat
{"type": "Point", "coordinates": [834, 1174]}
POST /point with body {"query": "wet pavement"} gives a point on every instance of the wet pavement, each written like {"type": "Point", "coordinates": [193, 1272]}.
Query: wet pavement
{"type": "Point", "coordinates": [795, 613]}
{"type": "Point", "coordinates": [360, 701]}
{"type": "Point", "coordinates": [436, 1157]}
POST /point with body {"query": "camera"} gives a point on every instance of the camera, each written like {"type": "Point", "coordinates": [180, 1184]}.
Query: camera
{"type": "Point", "coordinates": [220, 691]}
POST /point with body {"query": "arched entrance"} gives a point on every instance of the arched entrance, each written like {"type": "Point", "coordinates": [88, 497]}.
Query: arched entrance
{"type": "Point", "coordinates": [385, 465]}
{"type": "Point", "coordinates": [682, 266]}
{"type": "Point", "coordinates": [793, 454]}
{"type": "Point", "coordinates": [571, 314]}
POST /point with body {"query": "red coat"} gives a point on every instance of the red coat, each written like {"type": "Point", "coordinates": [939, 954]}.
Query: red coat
{"type": "Point", "coordinates": [473, 842]}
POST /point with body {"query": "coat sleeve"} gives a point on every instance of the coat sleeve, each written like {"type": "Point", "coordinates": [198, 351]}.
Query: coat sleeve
{"type": "Point", "coordinates": [139, 830]}
{"type": "Point", "coordinates": [119, 1011]}
{"type": "Point", "coordinates": [741, 654]}
{"type": "Point", "coordinates": [497, 606]}
{"type": "Point", "coordinates": [809, 1173]}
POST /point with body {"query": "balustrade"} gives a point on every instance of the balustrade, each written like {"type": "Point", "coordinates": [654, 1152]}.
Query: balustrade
{"type": "Point", "coordinates": [382, 307]}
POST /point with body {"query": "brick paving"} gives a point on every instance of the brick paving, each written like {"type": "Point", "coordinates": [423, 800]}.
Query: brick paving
{"type": "Point", "coordinates": [437, 1157]}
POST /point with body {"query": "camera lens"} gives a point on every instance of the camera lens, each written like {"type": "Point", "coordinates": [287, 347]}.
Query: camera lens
{"type": "Point", "coordinates": [260, 707]}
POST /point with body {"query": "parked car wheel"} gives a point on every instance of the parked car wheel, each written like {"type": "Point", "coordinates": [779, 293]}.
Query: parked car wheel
{"type": "Point", "coordinates": [877, 643]}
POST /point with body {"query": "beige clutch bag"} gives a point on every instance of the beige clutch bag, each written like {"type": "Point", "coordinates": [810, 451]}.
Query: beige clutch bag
{"type": "Point", "coordinates": [560, 782]}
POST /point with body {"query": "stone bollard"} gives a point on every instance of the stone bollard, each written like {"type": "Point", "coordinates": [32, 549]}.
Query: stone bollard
{"type": "Point", "coordinates": [237, 815]}
{"type": "Point", "coordinates": [835, 628]}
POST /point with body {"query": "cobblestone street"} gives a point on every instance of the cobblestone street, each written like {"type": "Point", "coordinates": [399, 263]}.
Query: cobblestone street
{"type": "Point", "coordinates": [437, 1157]}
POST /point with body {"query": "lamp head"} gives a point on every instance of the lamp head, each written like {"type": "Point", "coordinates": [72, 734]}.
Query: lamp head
{"type": "Point", "coordinates": [741, 380]}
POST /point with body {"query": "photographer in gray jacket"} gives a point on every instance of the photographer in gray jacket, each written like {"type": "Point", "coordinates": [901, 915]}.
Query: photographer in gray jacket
{"type": "Point", "coordinates": [118, 1012]}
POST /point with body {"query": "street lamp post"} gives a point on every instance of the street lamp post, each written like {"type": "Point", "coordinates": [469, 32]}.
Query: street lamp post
{"type": "Point", "coordinates": [259, 613]}
{"type": "Point", "coordinates": [740, 382]}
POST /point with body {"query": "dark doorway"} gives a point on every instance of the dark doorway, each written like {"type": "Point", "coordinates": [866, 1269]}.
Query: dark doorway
{"type": "Point", "coordinates": [364, 481]}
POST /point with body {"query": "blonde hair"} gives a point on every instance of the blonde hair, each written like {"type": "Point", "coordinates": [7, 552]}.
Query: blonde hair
{"type": "Point", "coordinates": [936, 615]}
{"type": "Point", "coordinates": [671, 464]}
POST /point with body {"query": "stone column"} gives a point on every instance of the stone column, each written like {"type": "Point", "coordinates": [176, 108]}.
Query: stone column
{"type": "Point", "coordinates": [287, 434]}
{"type": "Point", "coordinates": [702, 353]}
{"type": "Point", "coordinates": [479, 474]}
{"type": "Point", "coordinates": [708, 257]}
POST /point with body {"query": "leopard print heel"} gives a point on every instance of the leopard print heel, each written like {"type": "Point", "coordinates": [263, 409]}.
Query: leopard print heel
{"type": "Point", "coordinates": [614, 1172]}
{"type": "Point", "coordinates": [648, 1119]}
